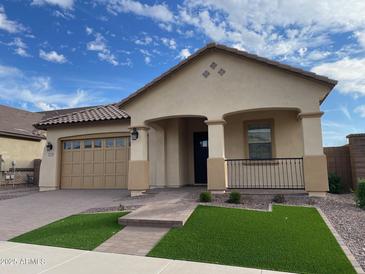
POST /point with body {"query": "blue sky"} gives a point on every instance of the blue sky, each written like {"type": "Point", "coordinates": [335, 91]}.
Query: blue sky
{"type": "Point", "coordinates": [69, 53]}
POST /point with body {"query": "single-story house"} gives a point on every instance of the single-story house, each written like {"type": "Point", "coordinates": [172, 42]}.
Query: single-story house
{"type": "Point", "coordinates": [222, 118]}
{"type": "Point", "coordinates": [20, 142]}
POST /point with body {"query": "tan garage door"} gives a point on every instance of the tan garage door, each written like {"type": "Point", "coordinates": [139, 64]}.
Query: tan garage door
{"type": "Point", "coordinates": [95, 163]}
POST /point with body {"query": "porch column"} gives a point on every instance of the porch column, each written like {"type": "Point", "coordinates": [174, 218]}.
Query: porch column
{"type": "Point", "coordinates": [314, 160]}
{"type": "Point", "coordinates": [138, 171]}
{"type": "Point", "coordinates": [216, 165]}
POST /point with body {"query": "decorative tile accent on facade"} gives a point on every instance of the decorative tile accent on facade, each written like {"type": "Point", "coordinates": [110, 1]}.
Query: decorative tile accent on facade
{"type": "Point", "coordinates": [206, 74]}
{"type": "Point", "coordinates": [221, 72]}
{"type": "Point", "coordinates": [213, 65]}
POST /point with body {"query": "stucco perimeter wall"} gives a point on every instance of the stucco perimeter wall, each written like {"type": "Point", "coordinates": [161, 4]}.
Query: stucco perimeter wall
{"type": "Point", "coordinates": [50, 167]}
{"type": "Point", "coordinates": [22, 151]}
{"type": "Point", "coordinates": [287, 136]}
{"type": "Point", "coordinates": [245, 85]}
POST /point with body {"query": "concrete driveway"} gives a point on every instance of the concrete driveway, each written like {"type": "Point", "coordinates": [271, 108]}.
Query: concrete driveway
{"type": "Point", "coordinates": [22, 214]}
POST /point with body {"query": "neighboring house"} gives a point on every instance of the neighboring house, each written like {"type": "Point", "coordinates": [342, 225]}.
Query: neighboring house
{"type": "Point", "coordinates": [20, 142]}
{"type": "Point", "coordinates": [222, 117]}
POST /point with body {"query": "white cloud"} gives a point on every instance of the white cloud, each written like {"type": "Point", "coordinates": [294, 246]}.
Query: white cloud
{"type": "Point", "coordinates": [147, 60]}
{"type": "Point", "coordinates": [99, 45]}
{"type": "Point", "coordinates": [144, 41]}
{"type": "Point", "coordinates": [89, 30]}
{"type": "Point", "coordinates": [171, 43]}
{"type": "Point", "coordinates": [20, 47]}
{"type": "Point", "coordinates": [360, 35]}
{"type": "Point", "coordinates": [65, 4]}
{"type": "Point", "coordinates": [274, 28]}
{"type": "Point", "coordinates": [348, 71]}
{"type": "Point", "coordinates": [345, 112]}
{"type": "Point", "coordinates": [158, 12]}
{"type": "Point", "coordinates": [184, 53]}
{"type": "Point", "coordinates": [9, 25]}
{"type": "Point", "coordinates": [52, 56]}
{"type": "Point", "coordinates": [8, 71]}
{"type": "Point", "coordinates": [108, 57]}
{"type": "Point", "coordinates": [18, 88]}
{"type": "Point", "coordinates": [165, 26]}
{"type": "Point", "coordinates": [360, 110]}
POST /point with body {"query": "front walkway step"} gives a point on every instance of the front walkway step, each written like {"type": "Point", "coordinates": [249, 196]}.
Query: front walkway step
{"type": "Point", "coordinates": [133, 240]}
{"type": "Point", "coordinates": [159, 215]}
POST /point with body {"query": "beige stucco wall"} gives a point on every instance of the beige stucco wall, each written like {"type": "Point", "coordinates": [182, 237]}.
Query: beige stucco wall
{"type": "Point", "coordinates": [20, 150]}
{"type": "Point", "coordinates": [287, 133]}
{"type": "Point", "coordinates": [50, 167]}
{"type": "Point", "coordinates": [245, 85]}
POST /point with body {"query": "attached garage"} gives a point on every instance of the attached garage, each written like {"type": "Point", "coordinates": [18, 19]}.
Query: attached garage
{"type": "Point", "coordinates": [86, 149]}
{"type": "Point", "coordinates": [95, 163]}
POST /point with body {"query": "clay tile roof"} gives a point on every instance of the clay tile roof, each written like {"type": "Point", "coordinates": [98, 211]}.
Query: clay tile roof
{"type": "Point", "coordinates": [215, 46]}
{"type": "Point", "coordinates": [98, 113]}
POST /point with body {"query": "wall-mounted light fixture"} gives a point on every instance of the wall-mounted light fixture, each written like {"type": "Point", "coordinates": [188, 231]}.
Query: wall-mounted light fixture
{"type": "Point", "coordinates": [134, 134]}
{"type": "Point", "coordinates": [49, 146]}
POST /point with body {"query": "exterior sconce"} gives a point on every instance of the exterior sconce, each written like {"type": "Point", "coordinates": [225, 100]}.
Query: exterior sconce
{"type": "Point", "coordinates": [134, 134]}
{"type": "Point", "coordinates": [49, 146]}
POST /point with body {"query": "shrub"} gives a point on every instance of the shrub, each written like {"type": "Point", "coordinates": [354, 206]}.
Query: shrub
{"type": "Point", "coordinates": [334, 182]}
{"type": "Point", "coordinates": [205, 197]}
{"type": "Point", "coordinates": [234, 197]}
{"type": "Point", "coordinates": [279, 198]}
{"type": "Point", "coordinates": [360, 194]}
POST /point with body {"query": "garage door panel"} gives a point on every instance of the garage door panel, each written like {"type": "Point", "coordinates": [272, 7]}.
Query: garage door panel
{"type": "Point", "coordinates": [66, 181]}
{"type": "Point", "coordinates": [66, 169]}
{"type": "Point", "coordinates": [98, 156]}
{"type": "Point", "coordinates": [120, 168]}
{"type": "Point", "coordinates": [99, 182]}
{"type": "Point", "coordinates": [95, 163]}
{"type": "Point", "coordinates": [88, 155]}
{"type": "Point", "coordinates": [98, 168]}
{"type": "Point", "coordinates": [88, 181]}
{"type": "Point", "coordinates": [110, 168]}
{"type": "Point", "coordinates": [88, 169]}
{"type": "Point", "coordinates": [110, 155]}
{"type": "Point", "coordinates": [67, 157]}
{"type": "Point", "coordinates": [76, 170]}
{"type": "Point", "coordinates": [76, 181]}
{"type": "Point", "coordinates": [76, 156]}
{"type": "Point", "coordinates": [121, 181]}
{"type": "Point", "coordinates": [110, 181]}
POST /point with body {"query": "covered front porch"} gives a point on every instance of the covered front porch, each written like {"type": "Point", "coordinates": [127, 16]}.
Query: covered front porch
{"type": "Point", "coordinates": [250, 149]}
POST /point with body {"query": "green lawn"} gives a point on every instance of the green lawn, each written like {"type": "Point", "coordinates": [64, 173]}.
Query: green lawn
{"type": "Point", "coordinates": [293, 239]}
{"type": "Point", "coordinates": [83, 231]}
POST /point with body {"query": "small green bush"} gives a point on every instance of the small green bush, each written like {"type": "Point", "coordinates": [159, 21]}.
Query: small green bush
{"type": "Point", "coordinates": [360, 194]}
{"type": "Point", "coordinates": [234, 197]}
{"type": "Point", "coordinates": [279, 198]}
{"type": "Point", "coordinates": [205, 197]}
{"type": "Point", "coordinates": [334, 182]}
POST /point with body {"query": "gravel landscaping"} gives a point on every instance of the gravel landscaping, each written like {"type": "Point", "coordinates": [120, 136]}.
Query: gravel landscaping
{"type": "Point", "coordinates": [347, 219]}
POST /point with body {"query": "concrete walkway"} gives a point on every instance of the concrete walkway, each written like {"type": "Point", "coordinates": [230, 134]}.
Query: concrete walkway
{"type": "Point", "coordinates": [146, 225]}
{"type": "Point", "coordinates": [133, 240]}
{"type": "Point", "coordinates": [18, 258]}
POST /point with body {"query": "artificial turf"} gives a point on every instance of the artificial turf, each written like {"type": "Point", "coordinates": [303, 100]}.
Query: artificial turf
{"type": "Point", "coordinates": [294, 239]}
{"type": "Point", "coordinates": [82, 231]}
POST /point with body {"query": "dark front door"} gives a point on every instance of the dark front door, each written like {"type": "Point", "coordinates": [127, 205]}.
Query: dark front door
{"type": "Point", "coordinates": [200, 157]}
